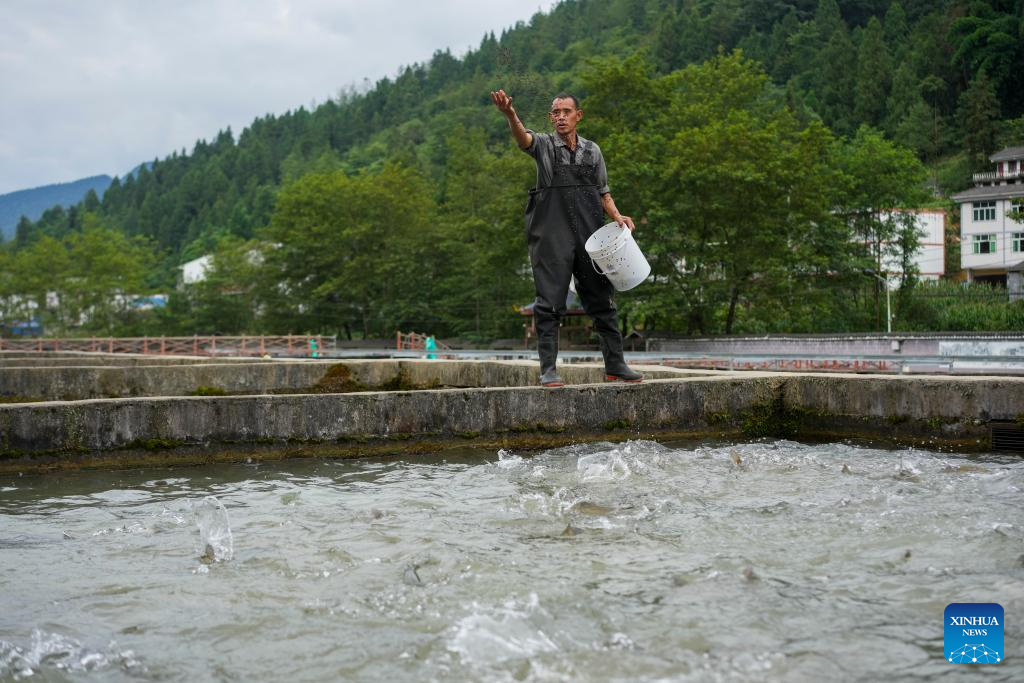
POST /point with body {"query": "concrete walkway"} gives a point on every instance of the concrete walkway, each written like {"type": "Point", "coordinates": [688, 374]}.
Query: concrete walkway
{"type": "Point", "coordinates": [425, 405]}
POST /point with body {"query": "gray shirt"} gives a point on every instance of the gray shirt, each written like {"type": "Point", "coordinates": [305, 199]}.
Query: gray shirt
{"type": "Point", "coordinates": [540, 150]}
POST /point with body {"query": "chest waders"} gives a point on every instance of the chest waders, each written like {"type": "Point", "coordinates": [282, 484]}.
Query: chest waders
{"type": "Point", "coordinates": [559, 219]}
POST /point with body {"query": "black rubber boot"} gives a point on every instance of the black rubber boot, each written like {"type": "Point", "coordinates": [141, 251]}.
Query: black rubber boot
{"type": "Point", "coordinates": [548, 351]}
{"type": "Point", "coordinates": [615, 368]}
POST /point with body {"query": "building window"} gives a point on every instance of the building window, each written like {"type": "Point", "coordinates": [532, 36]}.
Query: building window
{"type": "Point", "coordinates": [984, 211]}
{"type": "Point", "coordinates": [984, 244]}
{"type": "Point", "coordinates": [1017, 241]}
{"type": "Point", "coordinates": [1017, 210]}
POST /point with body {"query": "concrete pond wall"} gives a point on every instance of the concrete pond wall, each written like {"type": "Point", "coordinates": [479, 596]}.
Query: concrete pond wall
{"type": "Point", "coordinates": [427, 405]}
{"type": "Point", "coordinates": [71, 380]}
{"type": "Point", "coordinates": [71, 358]}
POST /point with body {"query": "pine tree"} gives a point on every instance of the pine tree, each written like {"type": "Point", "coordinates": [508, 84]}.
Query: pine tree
{"type": "Point", "coordinates": [978, 115]}
{"type": "Point", "coordinates": [828, 18]}
{"type": "Point", "coordinates": [91, 203]}
{"type": "Point", "coordinates": [836, 67]}
{"type": "Point", "coordinates": [22, 233]}
{"type": "Point", "coordinates": [874, 73]}
{"type": "Point", "coordinates": [896, 28]}
{"type": "Point", "coordinates": [905, 94]}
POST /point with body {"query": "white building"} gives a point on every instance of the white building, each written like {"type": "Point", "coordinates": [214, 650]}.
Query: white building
{"type": "Point", "coordinates": [198, 269]}
{"type": "Point", "coordinates": [195, 270]}
{"type": "Point", "coordinates": [930, 257]}
{"type": "Point", "coordinates": [991, 240]}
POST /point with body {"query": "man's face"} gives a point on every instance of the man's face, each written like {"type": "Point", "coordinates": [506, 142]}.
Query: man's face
{"type": "Point", "coordinates": [565, 115]}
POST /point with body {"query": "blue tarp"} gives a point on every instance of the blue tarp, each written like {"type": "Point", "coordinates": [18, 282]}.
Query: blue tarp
{"type": "Point", "coordinates": [24, 328]}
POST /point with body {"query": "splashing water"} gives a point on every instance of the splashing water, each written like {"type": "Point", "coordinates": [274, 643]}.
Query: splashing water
{"type": "Point", "coordinates": [216, 543]}
{"type": "Point", "coordinates": [494, 634]}
{"type": "Point", "coordinates": [769, 561]}
{"type": "Point", "coordinates": [53, 651]}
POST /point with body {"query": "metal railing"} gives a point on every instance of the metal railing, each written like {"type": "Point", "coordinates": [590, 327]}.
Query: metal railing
{"type": "Point", "coordinates": [991, 176]}
{"type": "Point", "coordinates": [196, 345]}
{"type": "Point", "coordinates": [416, 342]}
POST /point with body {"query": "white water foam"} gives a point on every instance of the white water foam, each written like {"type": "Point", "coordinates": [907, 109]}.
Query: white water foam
{"type": "Point", "coordinates": [63, 653]}
{"type": "Point", "coordinates": [491, 635]}
{"type": "Point", "coordinates": [216, 542]}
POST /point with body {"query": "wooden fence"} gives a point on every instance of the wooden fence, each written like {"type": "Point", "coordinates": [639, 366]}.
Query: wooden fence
{"type": "Point", "coordinates": [416, 342]}
{"type": "Point", "coordinates": [255, 345]}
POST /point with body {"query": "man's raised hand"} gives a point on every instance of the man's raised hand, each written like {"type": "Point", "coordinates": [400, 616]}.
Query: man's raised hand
{"type": "Point", "coordinates": [503, 102]}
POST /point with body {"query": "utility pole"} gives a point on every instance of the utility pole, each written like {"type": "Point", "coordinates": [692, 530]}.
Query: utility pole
{"type": "Point", "coordinates": [888, 302]}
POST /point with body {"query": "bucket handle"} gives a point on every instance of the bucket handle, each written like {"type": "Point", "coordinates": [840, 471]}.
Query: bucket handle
{"type": "Point", "coordinates": [610, 272]}
{"type": "Point", "coordinates": [601, 272]}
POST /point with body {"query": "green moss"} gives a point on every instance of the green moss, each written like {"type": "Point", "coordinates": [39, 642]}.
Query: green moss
{"type": "Point", "coordinates": [208, 391]}
{"type": "Point", "coordinates": [20, 399]}
{"type": "Point", "coordinates": [402, 382]}
{"type": "Point", "coordinates": [719, 418]}
{"type": "Point", "coordinates": [1020, 420]}
{"type": "Point", "coordinates": [154, 444]}
{"type": "Point", "coordinates": [772, 418]}
{"type": "Point", "coordinates": [612, 425]}
{"type": "Point", "coordinates": [468, 435]}
{"type": "Point", "coordinates": [934, 423]}
{"type": "Point", "coordinates": [896, 419]}
{"type": "Point", "coordinates": [337, 380]}
{"type": "Point", "coordinates": [16, 453]}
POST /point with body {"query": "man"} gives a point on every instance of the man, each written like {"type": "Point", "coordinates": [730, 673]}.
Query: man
{"type": "Point", "coordinates": [565, 208]}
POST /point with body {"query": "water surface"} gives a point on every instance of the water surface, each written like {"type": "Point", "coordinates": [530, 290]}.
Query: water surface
{"type": "Point", "coordinates": [770, 561]}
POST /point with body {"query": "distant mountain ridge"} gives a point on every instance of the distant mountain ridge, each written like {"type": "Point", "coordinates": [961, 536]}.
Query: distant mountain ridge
{"type": "Point", "coordinates": [33, 202]}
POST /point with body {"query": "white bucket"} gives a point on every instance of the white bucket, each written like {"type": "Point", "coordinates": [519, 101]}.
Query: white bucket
{"type": "Point", "coordinates": [613, 248]}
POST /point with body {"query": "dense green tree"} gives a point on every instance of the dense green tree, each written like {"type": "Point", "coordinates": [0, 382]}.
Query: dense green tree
{"type": "Point", "coordinates": [9, 287]}
{"type": "Point", "coordinates": [91, 203]}
{"type": "Point", "coordinates": [897, 31]}
{"type": "Point", "coordinates": [732, 192]}
{"type": "Point", "coordinates": [978, 113]}
{"type": "Point", "coordinates": [1012, 133]}
{"type": "Point", "coordinates": [224, 301]}
{"type": "Point", "coordinates": [347, 252]}
{"type": "Point", "coordinates": [828, 18]}
{"type": "Point", "coordinates": [879, 179]}
{"type": "Point", "coordinates": [989, 39]}
{"type": "Point", "coordinates": [106, 272]}
{"type": "Point", "coordinates": [909, 120]}
{"type": "Point", "coordinates": [39, 272]}
{"type": "Point", "coordinates": [482, 263]}
{"type": "Point", "coordinates": [23, 232]}
{"type": "Point", "coordinates": [874, 74]}
{"type": "Point", "coordinates": [835, 85]}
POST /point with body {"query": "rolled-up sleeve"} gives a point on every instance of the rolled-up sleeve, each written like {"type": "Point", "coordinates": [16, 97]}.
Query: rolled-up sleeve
{"type": "Point", "coordinates": [602, 173]}
{"type": "Point", "coordinates": [534, 149]}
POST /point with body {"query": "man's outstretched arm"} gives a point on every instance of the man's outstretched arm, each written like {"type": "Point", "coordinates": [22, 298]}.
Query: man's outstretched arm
{"type": "Point", "coordinates": [504, 104]}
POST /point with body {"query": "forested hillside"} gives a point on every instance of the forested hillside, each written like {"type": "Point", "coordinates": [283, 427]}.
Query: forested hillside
{"type": "Point", "coordinates": [33, 202]}
{"type": "Point", "coordinates": [401, 205]}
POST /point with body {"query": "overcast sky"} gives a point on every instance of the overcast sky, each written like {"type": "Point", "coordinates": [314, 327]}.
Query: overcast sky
{"type": "Point", "coordinates": [98, 86]}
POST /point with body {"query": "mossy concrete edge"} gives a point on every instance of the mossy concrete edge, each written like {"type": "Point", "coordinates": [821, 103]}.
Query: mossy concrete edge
{"type": "Point", "coordinates": [934, 412]}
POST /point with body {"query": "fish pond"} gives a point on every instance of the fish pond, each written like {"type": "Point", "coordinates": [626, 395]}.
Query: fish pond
{"type": "Point", "coordinates": [635, 561]}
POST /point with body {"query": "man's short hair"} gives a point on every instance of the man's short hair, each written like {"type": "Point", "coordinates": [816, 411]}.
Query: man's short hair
{"type": "Point", "coordinates": [567, 96]}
